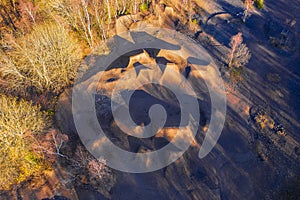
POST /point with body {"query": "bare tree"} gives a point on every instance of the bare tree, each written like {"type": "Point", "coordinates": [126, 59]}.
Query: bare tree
{"type": "Point", "coordinates": [97, 13]}
{"type": "Point", "coordinates": [28, 9]}
{"type": "Point", "coordinates": [85, 19]}
{"type": "Point", "coordinates": [239, 54]}
{"type": "Point", "coordinates": [52, 144]}
{"type": "Point", "coordinates": [46, 59]}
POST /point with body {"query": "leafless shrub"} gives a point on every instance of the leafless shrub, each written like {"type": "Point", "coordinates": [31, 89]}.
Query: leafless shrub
{"type": "Point", "coordinates": [239, 54]}
{"type": "Point", "coordinates": [248, 4]}
{"type": "Point", "coordinates": [83, 159]}
{"type": "Point", "coordinates": [86, 168]}
{"type": "Point", "coordinates": [98, 169]}
{"type": "Point", "coordinates": [51, 144]}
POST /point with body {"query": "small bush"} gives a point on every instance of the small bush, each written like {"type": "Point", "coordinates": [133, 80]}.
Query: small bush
{"type": "Point", "coordinates": [236, 74]}
{"type": "Point", "coordinates": [46, 59]}
{"type": "Point", "coordinates": [144, 7]}
{"type": "Point", "coordinates": [259, 3]}
{"type": "Point", "coordinates": [261, 119]}
{"type": "Point", "coordinates": [19, 120]}
{"type": "Point", "coordinates": [86, 167]}
{"type": "Point", "coordinates": [194, 21]}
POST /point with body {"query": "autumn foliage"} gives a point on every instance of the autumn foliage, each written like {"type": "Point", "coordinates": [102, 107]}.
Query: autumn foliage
{"type": "Point", "coordinates": [20, 121]}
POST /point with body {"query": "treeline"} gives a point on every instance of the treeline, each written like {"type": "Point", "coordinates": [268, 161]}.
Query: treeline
{"type": "Point", "coordinates": [42, 42]}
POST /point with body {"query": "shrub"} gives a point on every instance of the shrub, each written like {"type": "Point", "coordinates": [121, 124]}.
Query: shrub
{"type": "Point", "coordinates": [248, 7]}
{"type": "Point", "coordinates": [84, 165]}
{"type": "Point", "coordinates": [46, 59]}
{"type": "Point", "coordinates": [19, 120]}
{"type": "Point", "coordinates": [259, 3]}
{"type": "Point", "coordinates": [262, 120]}
{"type": "Point", "coordinates": [239, 54]}
{"type": "Point", "coordinates": [144, 7]}
{"type": "Point", "coordinates": [194, 21]}
{"type": "Point", "coordinates": [236, 74]}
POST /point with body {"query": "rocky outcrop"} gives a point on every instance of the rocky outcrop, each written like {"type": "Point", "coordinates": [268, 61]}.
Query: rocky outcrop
{"type": "Point", "coordinates": [164, 17]}
{"type": "Point", "coordinates": [123, 23]}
